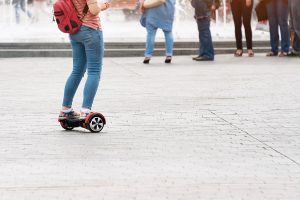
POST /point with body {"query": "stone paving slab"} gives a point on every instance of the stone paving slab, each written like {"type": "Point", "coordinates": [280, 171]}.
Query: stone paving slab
{"type": "Point", "coordinates": [228, 129]}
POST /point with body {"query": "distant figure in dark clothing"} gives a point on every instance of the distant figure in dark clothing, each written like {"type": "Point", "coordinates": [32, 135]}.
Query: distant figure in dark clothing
{"type": "Point", "coordinates": [242, 12]}
{"type": "Point", "coordinates": [202, 15]}
{"type": "Point", "coordinates": [294, 6]}
{"type": "Point", "coordinates": [278, 17]}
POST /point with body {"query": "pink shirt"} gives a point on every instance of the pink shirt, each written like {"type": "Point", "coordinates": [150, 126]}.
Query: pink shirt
{"type": "Point", "coordinates": [90, 20]}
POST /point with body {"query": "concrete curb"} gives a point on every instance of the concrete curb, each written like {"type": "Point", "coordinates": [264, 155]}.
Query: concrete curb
{"type": "Point", "coordinates": [116, 49]}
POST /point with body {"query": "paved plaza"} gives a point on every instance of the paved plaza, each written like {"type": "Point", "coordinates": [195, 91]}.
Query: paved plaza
{"type": "Point", "coordinates": [228, 129]}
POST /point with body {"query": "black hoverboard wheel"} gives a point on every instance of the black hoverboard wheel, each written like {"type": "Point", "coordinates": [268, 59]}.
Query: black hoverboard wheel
{"type": "Point", "coordinates": [95, 122]}
{"type": "Point", "coordinates": [65, 126]}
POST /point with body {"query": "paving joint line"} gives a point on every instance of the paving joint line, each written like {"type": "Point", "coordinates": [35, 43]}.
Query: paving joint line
{"type": "Point", "coordinates": [125, 68]}
{"type": "Point", "coordinates": [247, 133]}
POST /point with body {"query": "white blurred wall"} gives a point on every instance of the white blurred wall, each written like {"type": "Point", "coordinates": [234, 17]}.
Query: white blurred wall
{"type": "Point", "coordinates": [118, 25]}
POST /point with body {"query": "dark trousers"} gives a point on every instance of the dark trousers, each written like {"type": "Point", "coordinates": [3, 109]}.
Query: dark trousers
{"type": "Point", "coordinates": [242, 15]}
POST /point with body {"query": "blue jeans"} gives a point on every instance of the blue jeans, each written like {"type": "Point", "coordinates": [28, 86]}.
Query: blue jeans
{"type": "Point", "coordinates": [87, 48]}
{"type": "Point", "coordinates": [151, 32]}
{"type": "Point", "coordinates": [296, 44]}
{"type": "Point", "coordinates": [21, 5]}
{"type": "Point", "coordinates": [278, 16]}
{"type": "Point", "coordinates": [206, 48]}
{"type": "Point", "coordinates": [295, 23]}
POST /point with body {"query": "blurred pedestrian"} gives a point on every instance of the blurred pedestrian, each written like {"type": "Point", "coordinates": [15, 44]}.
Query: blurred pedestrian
{"type": "Point", "coordinates": [202, 15]}
{"type": "Point", "coordinates": [40, 6]}
{"type": "Point", "coordinates": [278, 17]}
{"type": "Point", "coordinates": [294, 6]}
{"type": "Point", "coordinates": [160, 17]}
{"type": "Point", "coordinates": [21, 5]}
{"type": "Point", "coordinates": [87, 51]}
{"type": "Point", "coordinates": [242, 12]}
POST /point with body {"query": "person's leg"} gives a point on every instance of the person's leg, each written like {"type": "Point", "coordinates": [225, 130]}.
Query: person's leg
{"type": "Point", "coordinates": [79, 68]}
{"type": "Point", "coordinates": [24, 8]}
{"type": "Point", "coordinates": [247, 13]}
{"type": "Point", "coordinates": [151, 32]}
{"type": "Point", "coordinates": [295, 24]}
{"type": "Point", "coordinates": [169, 42]}
{"type": "Point", "coordinates": [206, 45]}
{"type": "Point", "coordinates": [236, 7]}
{"type": "Point", "coordinates": [273, 24]}
{"type": "Point", "coordinates": [22, 5]}
{"type": "Point", "coordinates": [282, 13]}
{"type": "Point", "coordinates": [201, 47]}
{"type": "Point", "coordinates": [94, 49]}
{"type": "Point", "coordinates": [17, 12]}
{"type": "Point", "coordinates": [292, 29]}
{"type": "Point", "coordinates": [295, 15]}
{"type": "Point", "coordinates": [296, 44]}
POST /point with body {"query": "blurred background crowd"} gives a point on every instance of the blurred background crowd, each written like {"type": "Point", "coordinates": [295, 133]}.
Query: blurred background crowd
{"type": "Point", "coordinates": [33, 20]}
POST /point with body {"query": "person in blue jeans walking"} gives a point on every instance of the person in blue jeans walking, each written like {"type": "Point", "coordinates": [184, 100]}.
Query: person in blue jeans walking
{"type": "Point", "coordinates": [87, 53]}
{"type": "Point", "coordinates": [294, 6]}
{"type": "Point", "coordinates": [202, 15]}
{"type": "Point", "coordinates": [20, 5]}
{"type": "Point", "coordinates": [278, 17]}
{"type": "Point", "coordinates": [161, 17]}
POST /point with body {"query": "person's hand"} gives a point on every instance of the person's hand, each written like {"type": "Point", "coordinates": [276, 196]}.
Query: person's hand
{"type": "Point", "coordinates": [213, 7]}
{"type": "Point", "coordinates": [142, 8]}
{"type": "Point", "coordinates": [248, 3]}
{"type": "Point", "coordinates": [104, 6]}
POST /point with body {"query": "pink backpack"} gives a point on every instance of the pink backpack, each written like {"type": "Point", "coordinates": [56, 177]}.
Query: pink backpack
{"type": "Point", "coordinates": [66, 16]}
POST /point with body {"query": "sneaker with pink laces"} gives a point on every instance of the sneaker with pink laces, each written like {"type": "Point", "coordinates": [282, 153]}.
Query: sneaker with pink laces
{"type": "Point", "coordinates": [84, 113]}
{"type": "Point", "coordinates": [70, 114]}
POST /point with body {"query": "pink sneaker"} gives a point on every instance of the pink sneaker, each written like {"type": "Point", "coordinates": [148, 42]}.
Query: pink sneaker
{"type": "Point", "coordinates": [84, 114]}
{"type": "Point", "coordinates": [68, 115]}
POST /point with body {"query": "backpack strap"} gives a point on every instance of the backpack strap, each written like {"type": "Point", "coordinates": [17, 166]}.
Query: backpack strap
{"type": "Point", "coordinates": [85, 10]}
